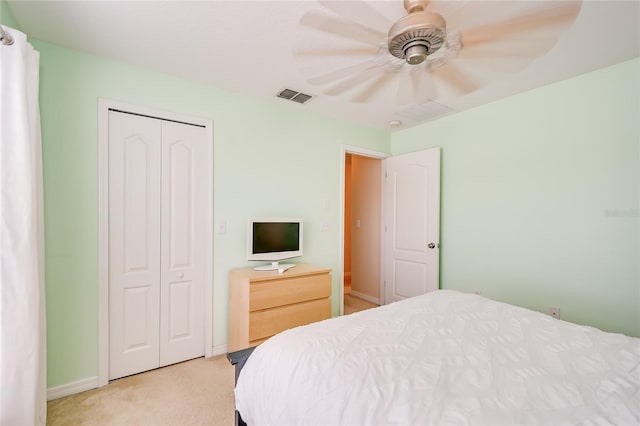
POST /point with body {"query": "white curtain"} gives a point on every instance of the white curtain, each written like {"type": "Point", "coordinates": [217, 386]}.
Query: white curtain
{"type": "Point", "coordinates": [22, 296]}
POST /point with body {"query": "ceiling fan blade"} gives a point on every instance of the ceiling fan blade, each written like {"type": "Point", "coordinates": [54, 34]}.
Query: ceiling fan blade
{"type": "Point", "coordinates": [553, 18]}
{"type": "Point", "coordinates": [497, 67]}
{"type": "Point", "coordinates": [355, 80]}
{"type": "Point", "coordinates": [475, 13]}
{"type": "Point", "coordinates": [340, 73]}
{"type": "Point", "coordinates": [426, 88]}
{"type": "Point", "coordinates": [359, 10]}
{"type": "Point", "coordinates": [338, 51]}
{"type": "Point", "coordinates": [343, 28]}
{"type": "Point", "coordinates": [455, 79]}
{"type": "Point", "coordinates": [372, 88]}
{"type": "Point", "coordinates": [416, 86]}
{"type": "Point", "coordinates": [406, 87]}
{"type": "Point", "coordinates": [520, 48]}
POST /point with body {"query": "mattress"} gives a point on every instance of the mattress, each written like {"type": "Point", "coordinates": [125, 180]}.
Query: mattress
{"type": "Point", "coordinates": [438, 359]}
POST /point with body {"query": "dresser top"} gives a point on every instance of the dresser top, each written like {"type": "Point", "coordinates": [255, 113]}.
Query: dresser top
{"type": "Point", "coordinates": [301, 269]}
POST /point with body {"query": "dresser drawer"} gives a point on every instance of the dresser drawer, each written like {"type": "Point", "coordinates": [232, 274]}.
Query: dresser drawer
{"type": "Point", "coordinates": [270, 294]}
{"type": "Point", "coordinates": [264, 303]}
{"type": "Point", "coordinates": [268, 322]}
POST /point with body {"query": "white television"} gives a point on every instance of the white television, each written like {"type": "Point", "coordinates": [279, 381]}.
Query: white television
{"type": "Point", "coordinates": [273, 240]}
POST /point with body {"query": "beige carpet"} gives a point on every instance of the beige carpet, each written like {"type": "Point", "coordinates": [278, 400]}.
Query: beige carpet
{"type": "Point", "coordinates": [196, 392]}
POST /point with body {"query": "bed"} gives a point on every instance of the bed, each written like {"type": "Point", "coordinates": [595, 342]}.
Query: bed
{"type": "Point", "coordinates": [442, 358]}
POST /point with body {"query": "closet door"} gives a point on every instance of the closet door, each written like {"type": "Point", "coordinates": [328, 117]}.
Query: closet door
{"type": "Point", "coordinates": [159, 236]}
{"type": "Point", "coordinates": [185, 214]}
{"type": "Point", "coordinates": [134, 243]}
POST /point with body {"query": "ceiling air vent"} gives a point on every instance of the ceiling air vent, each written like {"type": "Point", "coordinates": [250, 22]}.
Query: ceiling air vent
{"type": "Point", "coordinates": [425, 111]}
{"type": "Point", "coordinates": [294, 96]}
{"type": "Point", "coordinates": [301, 98]}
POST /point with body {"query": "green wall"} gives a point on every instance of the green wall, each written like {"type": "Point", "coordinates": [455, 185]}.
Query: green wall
{"type": "Point", "coordinates": [6, 16]}
{"type": "Point", "coordinates": [540, 197]}
{"type": "Point", "coordinates": [270, 159]}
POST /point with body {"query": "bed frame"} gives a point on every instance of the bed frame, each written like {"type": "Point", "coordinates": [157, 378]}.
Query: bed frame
{"type": "Point", "coordinates": [238, 359]}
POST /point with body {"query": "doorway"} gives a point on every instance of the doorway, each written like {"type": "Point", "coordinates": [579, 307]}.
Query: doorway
{"type": "Point", "coordinates": [408, 255]}
{"type": "Point", "coordinates": [361, 285]}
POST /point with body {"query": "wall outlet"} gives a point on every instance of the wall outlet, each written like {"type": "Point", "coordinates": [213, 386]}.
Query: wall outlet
{"type": "Point", "coordinates": [554, 311]}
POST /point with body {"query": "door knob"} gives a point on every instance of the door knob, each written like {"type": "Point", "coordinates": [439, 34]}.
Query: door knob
{"type": "Point", "coordinates": [431, 245]}
{"type": "Point", "coordinates": [180, 275]}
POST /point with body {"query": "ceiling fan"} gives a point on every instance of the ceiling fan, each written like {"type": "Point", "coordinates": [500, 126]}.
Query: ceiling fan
{"type": "Point", "coordinates": [439, 48]}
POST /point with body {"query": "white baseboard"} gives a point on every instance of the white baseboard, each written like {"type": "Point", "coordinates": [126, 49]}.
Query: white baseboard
{"type": "Point", "coordinates": [365, 297]}
{"type": "Point", "coordinates": [92, 382]}
{"type": "Point", "coordinates": [72, 388]}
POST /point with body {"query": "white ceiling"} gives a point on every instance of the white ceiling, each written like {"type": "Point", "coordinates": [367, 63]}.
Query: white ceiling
{"type": "Point", "coordinates": [252, 47]}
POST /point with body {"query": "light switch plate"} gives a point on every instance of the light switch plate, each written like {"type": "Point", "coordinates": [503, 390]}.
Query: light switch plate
{"type": "Point", "coordinates": [221, 227]}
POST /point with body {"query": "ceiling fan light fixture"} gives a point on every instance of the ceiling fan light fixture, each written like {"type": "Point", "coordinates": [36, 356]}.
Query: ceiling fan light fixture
{"type": "Point", "coordinates": [416, 36]}
{"type": "Point", "coordinates": [416, 52]}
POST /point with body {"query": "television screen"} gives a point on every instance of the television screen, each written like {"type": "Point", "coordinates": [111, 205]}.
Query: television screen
{"type": "Point", "coordinates": [274, 240]}
{"type": "Point", "coordinates": [276, 236]}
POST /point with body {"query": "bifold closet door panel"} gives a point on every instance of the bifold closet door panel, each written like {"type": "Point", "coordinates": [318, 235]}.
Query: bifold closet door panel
{"type": "Point", "coordinates": [185, 213]}
{"type": "Point", "coordinates": [134, 243]}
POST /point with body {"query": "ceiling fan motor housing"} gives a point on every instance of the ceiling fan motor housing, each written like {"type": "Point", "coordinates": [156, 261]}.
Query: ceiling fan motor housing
{"type": "Point", "coordinates": [416, 36]}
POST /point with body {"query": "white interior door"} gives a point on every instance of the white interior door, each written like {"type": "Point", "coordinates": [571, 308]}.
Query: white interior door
{"type": "Point", "coordinates": [185, 153]}
{"type": "Point", "coordinates": [134, 243]}
{"type": "Point", "coordinates": [159, 235]}
{"type": "Point", "coordinates": [412, 224]}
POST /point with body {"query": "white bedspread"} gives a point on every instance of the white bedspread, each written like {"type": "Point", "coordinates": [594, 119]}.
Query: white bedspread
{"type": "Point", "coordinates": [438, 359]}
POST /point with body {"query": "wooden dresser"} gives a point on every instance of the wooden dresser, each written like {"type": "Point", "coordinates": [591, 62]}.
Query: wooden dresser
{"type": "Point", "coordinates": [264, 303]}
